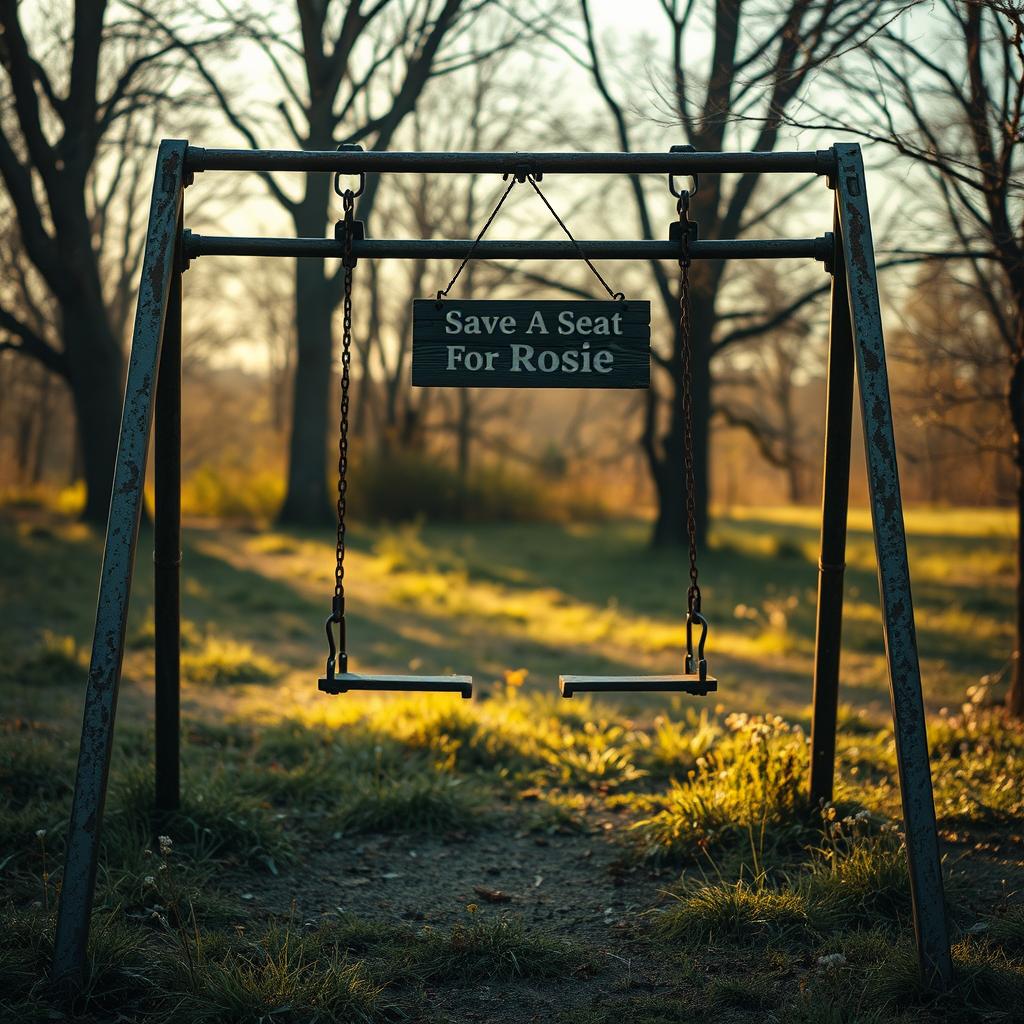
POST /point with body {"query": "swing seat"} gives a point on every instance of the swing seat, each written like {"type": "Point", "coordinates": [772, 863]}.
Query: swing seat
{"type": "Point", "coordinates": [345, 681]}
{"type": "Point", "coordinates": [690, 683]}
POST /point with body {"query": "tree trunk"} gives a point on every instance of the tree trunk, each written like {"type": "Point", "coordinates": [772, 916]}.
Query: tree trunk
{"type": "Point", "coordinates": [44, 430]}
{"type": "Point", "coordinates": [1015, 696]}
{"type": "Point", "coordinates": [306, 502]}
{"type": "Point", "coordinates": [667, 465]}
{"type": "Point", "coordinates": [96, 375]}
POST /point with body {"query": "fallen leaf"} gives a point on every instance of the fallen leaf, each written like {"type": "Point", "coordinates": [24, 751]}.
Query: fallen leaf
{"type": "Point", "coordinates": [492, 895]}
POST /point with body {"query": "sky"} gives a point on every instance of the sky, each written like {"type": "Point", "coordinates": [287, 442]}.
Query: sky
{"type": "Point", "coordinates": [633, 44]}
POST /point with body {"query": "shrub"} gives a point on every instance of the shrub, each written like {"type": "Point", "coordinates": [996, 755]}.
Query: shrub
{"type": "Point", "coordinates": [402, 485]}
{"type": "Point", "coordinates": [221, 661]}
{"type": "Point", "coordinates": [232, 492]}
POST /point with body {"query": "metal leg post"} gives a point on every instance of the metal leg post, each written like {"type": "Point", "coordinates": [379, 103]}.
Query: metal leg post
{"type": "Point", "coordinates": [893, 572]}
{"type": "Point", "coordinates": [167, 550]}
{"type": "Point", "coordinates": [83, 842]}
{"type": "Point", "coordinates": [832, 560]}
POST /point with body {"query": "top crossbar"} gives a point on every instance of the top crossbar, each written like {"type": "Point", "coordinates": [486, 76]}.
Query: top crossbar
{"type": "Point", "coordinates": [822, 161]}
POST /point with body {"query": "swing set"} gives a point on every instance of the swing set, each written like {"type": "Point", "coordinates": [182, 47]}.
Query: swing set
{"type": "Point", "coordinates": [153, 401]}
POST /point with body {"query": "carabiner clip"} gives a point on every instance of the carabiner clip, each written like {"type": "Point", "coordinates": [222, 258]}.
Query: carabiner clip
{"type": "Point", "coordinates": [350, 147]}
{"type": "Point", "coordinates": [679, 193]}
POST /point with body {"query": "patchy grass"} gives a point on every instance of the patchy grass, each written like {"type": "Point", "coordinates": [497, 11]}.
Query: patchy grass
{"type": "Point", "coordinates": [428, 803]}
{"type": "Point", "coordinates": [293, 803]}
{"type": "Point", "coordinates": [737, 913]}
{"type": "Point", "coordinates": [58, 660]}
{"type": "Point", "coordinates": [499, 950]}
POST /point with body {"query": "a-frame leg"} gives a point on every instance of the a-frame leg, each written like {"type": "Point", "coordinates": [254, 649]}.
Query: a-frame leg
{"type": "Point", "coordinates": [893, 572]}
{"type": "Point", "coordinates": [832, 559]}
{"type": "Point", "coordinates": [83, 841]}
{"type": "Point", "coordinates": [167, 550]}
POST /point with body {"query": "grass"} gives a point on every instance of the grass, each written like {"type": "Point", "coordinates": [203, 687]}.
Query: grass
{"type": "Point", "coordinates": [726, 898]}
{"type": "Point", "coordinates": [429, 803]}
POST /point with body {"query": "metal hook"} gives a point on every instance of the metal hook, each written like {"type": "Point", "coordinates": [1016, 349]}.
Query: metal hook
{"type": "Point", "coordinates": [350, 147]}
{"type": "Point", "coordinates": [679, 193]}
{"type": "Point", "coordinates": [333, 649]}
{"type": "Point", "coordinates": [701, 663]}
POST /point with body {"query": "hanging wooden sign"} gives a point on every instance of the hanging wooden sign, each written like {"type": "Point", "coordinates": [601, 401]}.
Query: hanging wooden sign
{"type": "Point", "coordinates": [528, 344]}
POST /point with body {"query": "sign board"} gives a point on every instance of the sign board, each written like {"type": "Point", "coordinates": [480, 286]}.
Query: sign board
{"type": "Point", "coordinates": [531, 344]}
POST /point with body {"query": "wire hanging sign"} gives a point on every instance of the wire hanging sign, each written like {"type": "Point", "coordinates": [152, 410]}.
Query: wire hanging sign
{"type": "Point", "coordinates": [522, 343]}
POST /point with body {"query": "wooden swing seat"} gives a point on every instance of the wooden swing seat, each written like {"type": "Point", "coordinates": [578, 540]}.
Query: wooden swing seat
{"type": "Point", "coordinates": [345, 681]}
{"type": "Point", "coordinates": [689, 683]}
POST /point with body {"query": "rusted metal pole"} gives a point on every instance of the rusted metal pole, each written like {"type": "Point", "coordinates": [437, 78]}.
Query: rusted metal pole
{"type": "Point", "coordinates": [832, 559]}
{"type": "Point", "coordinates": [893, 573]}
{"type": "Point", "coordinates": [167, 551]}
{"type": "Point", "coordinates": [79, 880]}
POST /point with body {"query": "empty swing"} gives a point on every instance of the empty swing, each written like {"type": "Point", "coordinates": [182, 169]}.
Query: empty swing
{"type": "Point", "coordinates": [695, 679]}
{"type": "Point", "coordinates": [337, 678]}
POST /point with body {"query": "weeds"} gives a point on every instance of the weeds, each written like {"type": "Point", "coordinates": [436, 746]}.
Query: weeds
{"type": "Point", "coordinates": [751, 783]}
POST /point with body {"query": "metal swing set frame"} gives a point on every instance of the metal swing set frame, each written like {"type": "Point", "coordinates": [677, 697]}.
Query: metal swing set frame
{"type": "Point", "coordinates": [153, 403]}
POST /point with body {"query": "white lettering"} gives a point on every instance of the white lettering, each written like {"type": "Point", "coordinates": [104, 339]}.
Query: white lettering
{"type": "Point", "coordinates": [455, 354]}
{"type": "Point", "coordinates": [453, 322]}
{"type": "Point", "coordinates": [522, 357]}
{"type": "Point", "coordinates": [603, 361]}
{"type": "Point", "coordinates": [537, 323]}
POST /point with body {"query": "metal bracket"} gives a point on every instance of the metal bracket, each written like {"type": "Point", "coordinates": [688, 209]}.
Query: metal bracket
{"type": "Point", "coordinates": [523, 171]}
{"type": "Point", "coordinates": [358, 234]}
{"type": "Point", "coordinates": [675, 231]}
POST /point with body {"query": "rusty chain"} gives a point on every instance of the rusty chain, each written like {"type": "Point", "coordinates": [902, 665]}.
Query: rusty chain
{"type": "Point", "coordinates": [686, 344]}
{"type": "Point", "coordinates": [348, 203]}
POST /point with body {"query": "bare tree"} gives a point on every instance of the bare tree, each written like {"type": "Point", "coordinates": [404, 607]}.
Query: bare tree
{"type": "Point", "coordinates": [761, 58]}
{"type": "Point", "coordinates": [347, 73]}
{"type": "Point", "coordinates": [66, 100]}
{"type": "Point", "coordinates": [762, 387]}
{"type": "Point", "coordinates": [946, 89]}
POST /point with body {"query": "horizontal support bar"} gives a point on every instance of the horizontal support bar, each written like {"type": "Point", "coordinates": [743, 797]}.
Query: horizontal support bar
{"type": "Point", "coordinates": [452, 249]}
{"type": "Point", "coordinates": [821, 161]}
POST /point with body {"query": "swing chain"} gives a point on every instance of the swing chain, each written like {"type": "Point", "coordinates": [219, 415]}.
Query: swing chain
{"type": "Point", "coordinates": [348, 198]}
{"type": "Point", "coordinates": [683, 210]}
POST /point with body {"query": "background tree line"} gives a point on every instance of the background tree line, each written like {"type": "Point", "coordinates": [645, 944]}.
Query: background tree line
{"type": "Point", "coordinates": [88, 88]}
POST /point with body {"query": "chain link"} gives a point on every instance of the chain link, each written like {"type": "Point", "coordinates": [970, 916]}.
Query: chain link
{"type": "Point", "coordinates": [683, 209]}
{"type": "Point", "coordinates": [348, 204]}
